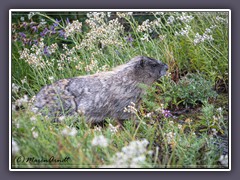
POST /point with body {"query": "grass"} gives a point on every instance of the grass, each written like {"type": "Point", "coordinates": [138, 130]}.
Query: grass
{"type": "Point", "coordinates": [182, 119]}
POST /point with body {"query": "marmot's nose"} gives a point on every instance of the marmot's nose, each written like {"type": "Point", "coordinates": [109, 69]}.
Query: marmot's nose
{"type": "Point", "coordinates": [166, 66]}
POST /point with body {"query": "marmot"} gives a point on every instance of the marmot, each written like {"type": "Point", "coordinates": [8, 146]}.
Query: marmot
{"type": "Point", "coordinates": [101, 95]}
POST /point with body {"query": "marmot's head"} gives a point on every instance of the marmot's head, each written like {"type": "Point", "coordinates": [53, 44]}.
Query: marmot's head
{"type": "Point", "coordinates": [148, 69]}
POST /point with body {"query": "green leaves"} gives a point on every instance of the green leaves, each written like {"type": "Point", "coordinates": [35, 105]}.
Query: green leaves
{"type": "Point", "coordinates": [191, 90]}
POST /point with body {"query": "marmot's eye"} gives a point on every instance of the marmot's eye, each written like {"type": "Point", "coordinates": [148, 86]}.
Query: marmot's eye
{"type": "Point", "coordinates": [154, 65]}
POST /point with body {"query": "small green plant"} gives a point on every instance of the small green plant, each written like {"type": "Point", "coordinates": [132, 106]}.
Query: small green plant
{"type": "Point", "coordinates": [212, 119]}
{"type": "Point", "coordinates": [190, 90]}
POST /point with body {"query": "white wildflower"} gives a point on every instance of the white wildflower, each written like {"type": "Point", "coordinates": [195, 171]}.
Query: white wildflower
{"type": "Point", "coordinates": [130, 108]}
{"type": "Point", "coordinates": [17, 125]}
{"type": "Point", "coordinates": [109, 14]}
{"type": "Point", "coordinates": [149, 115]}
{"type": "Point", "coordinates": [67, 131]}
{"type": "Point", "coordinates": [162, 37]}
{"type": "Point", "coordinates": [33, 119]}
{"type": "Point", "coordinates": [184, 18]}
{"type": "Point", "coordinates": [158, 13]}
{"type": "Point", "coordinates": [219, 109]}
{"type": "Point", "coordinates": [15, 88]}
{"type": "Point", "coordinates": [131, 156]}
{"type": "Point", "coordinates": [51, 78]}
{"type": "Point", "coordinates": [35, 134]}
{"type": "Point", "coordinates": [95, 19]}
{"type": "Point", "coordinates": [160, 109]}
{"type": "Point", "coordinates": [197, 39]}
{"type": "Point", "coordinates": [170, 137]}
{"type": "Point", "coordinates": [113, 129]}
{"type": "Point", "coordinates": [205, 37]}
{"type": "Point", "coordinates": [170, 20]}
{"type": "Point", "coordinates": [13, 107]}
{"type": "Point", "coordinates": [168, 74]}
{"type": "Point", "coordinates": [73, 28]}
{"type": "Point", "coordinates": [215, 118]}
{"type": "Point", "coordinates": [15, 148]}
{"type": "Point", "coordinates": [208, 30]}
{"type": "Point", "coordinates": [145, 26]}
{"type": "Point", "coordinates": [179, 126]}
{"type": "Point", "coordinates": [184, 31]}
{"type": "Point", "coordinates": [32, 100]}
{"type": "Point", "coordinates": [22, 100]}
{"type": "Point", "coordinates": [214, 132]}
{"type": "Point", "coordinates": [98, 128]}
{"type": "Point", "coordinates": [53, 48]}
{"type": "Point", "coordinates": [222, 20]}
{"type": "Point", "coordinates": [42, 21]}
{"type": "Point", "coordinates": [135, 148]}
{"type": "Point", "coordinates": [100, 141]}
{"type": "Point", "coordinates": [34, 55]}
{"type": "Point", "coordinates": [73, 132]}
{"type": "Point", "coordinates": [30, 15]}
{"type": "Point", "coordinates": [224, 160]}
{"type": "Point", "coordinates": [25, 98]}
{"type": "Point", "coordinates": [213, 26]}
{"type": "Point", "coordinates": [34, 109]}
{"type": "Point", "coordinates": [22, 18]}
{"type": "Point", "coordinates": [137, 160]}
{"type": "Point", "coordinates": [124, 14]}
{"type": "Point", "coordinates": [24, 80]}
{"type": "Point", "coordinates": [145, 37]}
{"type": "Point", "coordinates": [61, 118]}
{"type": "Point", "coordinates": [107, 33]}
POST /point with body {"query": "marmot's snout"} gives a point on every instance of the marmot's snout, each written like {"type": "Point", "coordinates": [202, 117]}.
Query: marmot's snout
{"type": "Point", "coordinates": [166, 67]}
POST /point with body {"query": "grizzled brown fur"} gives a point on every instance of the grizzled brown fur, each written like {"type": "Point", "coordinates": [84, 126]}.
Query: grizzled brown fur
{"type": "Point", "coordinates": [102, 95]}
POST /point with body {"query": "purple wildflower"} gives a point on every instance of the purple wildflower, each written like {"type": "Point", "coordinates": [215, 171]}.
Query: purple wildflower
{"type": "Point", "coordinates": [166, 113]}
{"type": "Point", "coordinates": [34, 28]}
{"type": "Point", "coordinates": [67, 20]}
{"type": "Point", "coordinates": [24, 24]}
{"type": "Point", "coordinates": [46, 51]}
{"type": "Point", "coordinates": [61, 33]}
{"type": "Point", "coordinates": [44, 32]}
{"type": "Point", "coordinates": [129, 39]}
{"type": "Point", "coordinates": [32, 23]}
{"type": "Point", "coordinates": [35, 41]}
{"type": "Point", "coordinates": [22, 35]}
{"type": "Point", "coordinates": [52, 29]}
{"type": "Point", "coordinates": [56, 23]}
{"type": "Point", "coordinates": [25, 41]}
